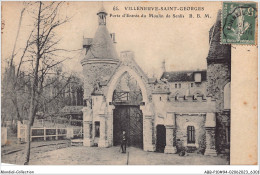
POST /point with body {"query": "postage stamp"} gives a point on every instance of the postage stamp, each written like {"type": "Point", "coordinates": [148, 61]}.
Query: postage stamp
{"type": "Point", "coordinates": [238, 23]}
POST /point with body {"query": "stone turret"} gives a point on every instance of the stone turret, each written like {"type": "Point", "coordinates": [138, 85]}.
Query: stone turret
{"type": "Point", "coordinates": [100, 59]}
{"type": "Point", "coordinates": [218, 76]}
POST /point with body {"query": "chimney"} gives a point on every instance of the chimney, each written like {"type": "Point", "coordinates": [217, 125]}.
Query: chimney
{"type": "Point", "coordinates": [163, 66]}
{"type": "Point", "coordinates": [113, 37]}
{"type": "Point", "coordinates": [127, 55]}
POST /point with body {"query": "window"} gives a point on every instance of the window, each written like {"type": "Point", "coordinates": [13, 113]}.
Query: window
{"type": "Point", "coordinates": [197, 77]}
{"type": "Point", "coordinates": [228, 134]}
{"type": "Point", "coordinates": [227, 96]}
{"type": "Point", "coordinates": [179, 85]}
{"type": "Point", "coordinates": [97, 127]}
{"type": "Point", "coordinates": [191, 134]}
{"type": "Point", "coordinates": [176, 86]}
{"type": "Point", "coordinates": [90, 128]}
{"type": "Point", "coordinates": [191, 85]}
{"type": "Point", "coordinates": [177, 96]}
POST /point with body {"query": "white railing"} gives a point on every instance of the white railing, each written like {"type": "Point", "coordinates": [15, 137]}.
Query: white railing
{"type": "Point", "coordinates": [48, 133]}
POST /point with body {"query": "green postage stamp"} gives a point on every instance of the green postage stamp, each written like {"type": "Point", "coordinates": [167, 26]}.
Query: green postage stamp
{"type": "Point", "coordinates": [239, 23]}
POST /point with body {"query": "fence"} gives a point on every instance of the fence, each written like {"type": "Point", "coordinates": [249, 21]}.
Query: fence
{"type": "Point", "coordinates": [48, 133]}
{"type": "Point", "coordinates": [60, 122]}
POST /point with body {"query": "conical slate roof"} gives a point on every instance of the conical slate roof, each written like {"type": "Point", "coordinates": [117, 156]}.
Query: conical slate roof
{"type": "Point", "coordinates": [102, 10]}
{"type": "Point", "coordinates": [102, 46]}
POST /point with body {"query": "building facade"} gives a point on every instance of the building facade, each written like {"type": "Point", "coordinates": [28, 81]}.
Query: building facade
{"type": "Point", "coordinates": [181, 110]}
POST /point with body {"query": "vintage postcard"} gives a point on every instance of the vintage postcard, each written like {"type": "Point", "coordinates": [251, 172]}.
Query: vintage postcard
{"type": "Point", "coordinates": [129, 83]}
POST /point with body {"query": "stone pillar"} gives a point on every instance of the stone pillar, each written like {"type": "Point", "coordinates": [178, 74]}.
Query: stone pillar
{"type": "Point", "coordinates": [210, 126]}
{"type": "Point", "coordinates": [3, 136]}
{"type": "Point", "coordinates": [87, 123]}
{"type": "Point", "coordinates": [110, 125]}
{"type": "Point", "coordinates": [170, 147]}
{"type": "Point", "coordinates": [210, 142]}
{"type": "Point", "coordinates": [70, 132]}
{"type": "Point", "coordinates": [103, 132]}
{"type": "Point", "coordinates": [87, 141]}
{"type": "Point", "coordinates": [148, 134]}
{"type": "Point", "coordinates": [148, 127]}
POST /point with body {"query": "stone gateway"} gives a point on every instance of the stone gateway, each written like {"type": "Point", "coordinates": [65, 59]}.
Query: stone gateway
{"type": "Point", "coordinates": [185, 110]}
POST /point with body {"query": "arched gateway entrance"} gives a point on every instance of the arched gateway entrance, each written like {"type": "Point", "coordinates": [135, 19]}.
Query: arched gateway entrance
{"type": "Point", "coordinates": [127, 97]}
{"type": "Point", "coordinates": [127, 116]}
{"type": "Point", "coordinates": [129, 103]}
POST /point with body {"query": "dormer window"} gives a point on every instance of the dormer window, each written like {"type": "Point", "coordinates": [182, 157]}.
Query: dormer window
{"type": "Point", "coordinates": [197, 77]}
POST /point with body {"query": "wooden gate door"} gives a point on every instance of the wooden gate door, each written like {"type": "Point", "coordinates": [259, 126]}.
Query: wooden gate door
{"type": "Point", "coordinates": [130, 119]}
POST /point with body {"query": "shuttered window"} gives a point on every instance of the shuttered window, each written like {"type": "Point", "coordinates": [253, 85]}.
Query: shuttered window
{"type": "Point", "coordinates": [191, 134]}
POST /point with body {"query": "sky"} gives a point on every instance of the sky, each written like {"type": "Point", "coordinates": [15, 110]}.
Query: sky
{"type": "Point", "coordinates": [182, 42]}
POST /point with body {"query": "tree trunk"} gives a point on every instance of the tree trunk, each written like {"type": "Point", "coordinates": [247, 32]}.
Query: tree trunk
{"type": "Point", "coordinates": [28, 144]}
{"type": "Point", "coordinates": [33, 93]}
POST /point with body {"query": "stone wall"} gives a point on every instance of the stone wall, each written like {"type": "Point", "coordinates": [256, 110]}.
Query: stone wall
{"type": "Point", "coordinates": [222, 121]}
{"type": "Point", "coordinates": [96, 73]}
{"type": "Point", "coordinates": [185, 120]}
{"type": "Point", "coordinates": [218, 76]}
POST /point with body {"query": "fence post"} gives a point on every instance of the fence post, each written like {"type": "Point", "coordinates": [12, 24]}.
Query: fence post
{"type": "Point", "coordinates": [44, 133]}
{"type": "Point", "coordinates": [31, 134]}
{"type": "Point", "coordinates": [81, 131]}
{"type": "Point", "coordinates": [56, 133]}
{"type": "Point", "coordinates": [69, 132]}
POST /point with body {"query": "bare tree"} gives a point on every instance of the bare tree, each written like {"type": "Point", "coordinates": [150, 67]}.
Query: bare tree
{"type": "Point", "coordinates": [42, 55]}
{"type": "Point", "coordinates": [38, 66]}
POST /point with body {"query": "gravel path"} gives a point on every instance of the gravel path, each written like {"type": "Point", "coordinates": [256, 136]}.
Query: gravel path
{"type": "Point", "coordinates": [15, 154]}
{"type": "Point", "coordinates": [63, 154]}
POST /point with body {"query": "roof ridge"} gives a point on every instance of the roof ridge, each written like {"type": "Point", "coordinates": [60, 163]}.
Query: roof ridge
{"type": "Point", "coordinates": [186, 71]}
